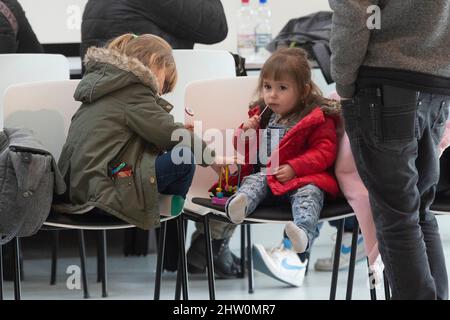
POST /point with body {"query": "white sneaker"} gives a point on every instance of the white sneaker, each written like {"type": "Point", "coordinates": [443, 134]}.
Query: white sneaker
{"type": "Point", "coordinates": [236, 208]}
{"type": "Point", "coordinates": [326, 264]}
{"type": "Point", "coordinates": [280, 263]}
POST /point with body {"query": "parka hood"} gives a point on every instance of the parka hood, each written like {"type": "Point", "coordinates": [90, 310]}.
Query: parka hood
{"type": "Point", "coordinates": [108, 71]}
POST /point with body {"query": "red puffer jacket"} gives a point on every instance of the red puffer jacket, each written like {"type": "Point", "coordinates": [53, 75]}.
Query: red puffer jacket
{"type": "Point", "coordinates": [310, 148]}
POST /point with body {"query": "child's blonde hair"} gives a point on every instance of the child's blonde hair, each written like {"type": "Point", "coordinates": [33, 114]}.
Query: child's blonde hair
{"type": "Point", "coordinates": [292, 63]}
{"type": "Point", "coordinates": [152, 51]}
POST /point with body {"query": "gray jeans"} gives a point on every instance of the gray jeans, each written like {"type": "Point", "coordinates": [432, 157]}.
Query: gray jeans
{"type": "Point", "coordinates": [394, 137]}
{"type": "Point", "coordinates": [306, 202]}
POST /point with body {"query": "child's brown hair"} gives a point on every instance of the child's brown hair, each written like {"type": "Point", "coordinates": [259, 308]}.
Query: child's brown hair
{"type": "Point", "coordinates": [152, 51]}
{"type": "Point", "coordinates": [292, 63]}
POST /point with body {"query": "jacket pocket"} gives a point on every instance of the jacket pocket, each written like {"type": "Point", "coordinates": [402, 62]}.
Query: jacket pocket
{"type": "Point", "coordinates": [126, 191]}
{"type": "Point", "coordinates": [438, 127]}
{"type": "Point", "coordinates": [397, 112]}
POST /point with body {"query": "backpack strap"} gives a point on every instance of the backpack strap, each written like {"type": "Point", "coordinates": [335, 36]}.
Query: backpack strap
{"type": "Point", "coordinates": [4, 9]}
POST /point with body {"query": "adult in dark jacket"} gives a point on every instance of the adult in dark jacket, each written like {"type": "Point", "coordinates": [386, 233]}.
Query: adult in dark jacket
{"type": "Point", "coordinates": [16, 34]}
{"type": "Point", "coordinates": [181, 23]}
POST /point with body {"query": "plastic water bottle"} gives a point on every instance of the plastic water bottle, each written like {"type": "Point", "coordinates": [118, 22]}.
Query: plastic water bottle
{"type": "Point", "coordinates": [263, 29]}
{"type": "Point", "coordinates": [246, 30]}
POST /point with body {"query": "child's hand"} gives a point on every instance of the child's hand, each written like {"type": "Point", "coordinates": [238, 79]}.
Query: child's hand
{"type": "Point", "coordinates": [252, 123]}
{"type": "Point", "coordinates": [284, 173]}
{"type": "Point", "coordinates": [189, 126]}
{"type": "Point", "coordinates": [218, 168]}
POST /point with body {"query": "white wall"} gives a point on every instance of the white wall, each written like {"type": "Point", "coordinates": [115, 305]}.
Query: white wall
{"type": "Point", "coordinates": [55, 21]}
{"type": "Point", "coordinates": [58, 21]}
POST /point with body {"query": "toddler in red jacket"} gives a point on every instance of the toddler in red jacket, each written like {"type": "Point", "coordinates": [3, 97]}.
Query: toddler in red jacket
{"type": "Point", "coordinates": [296, 127]}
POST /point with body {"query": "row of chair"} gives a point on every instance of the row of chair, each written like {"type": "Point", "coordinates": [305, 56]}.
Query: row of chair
{"type": "Point", "coordinates": [218, 103]}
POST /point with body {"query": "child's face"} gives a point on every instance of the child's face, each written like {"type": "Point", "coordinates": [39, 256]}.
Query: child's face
{"type": "Point", "coordinates": [280, 96]}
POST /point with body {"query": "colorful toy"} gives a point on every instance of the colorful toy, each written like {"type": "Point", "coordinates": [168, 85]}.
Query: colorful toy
{"type": "Point", "coordinates": [221, 195]}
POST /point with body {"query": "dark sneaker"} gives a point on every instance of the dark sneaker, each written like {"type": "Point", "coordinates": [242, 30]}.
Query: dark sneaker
{"type": "Point", "coordinates": [226, 264]}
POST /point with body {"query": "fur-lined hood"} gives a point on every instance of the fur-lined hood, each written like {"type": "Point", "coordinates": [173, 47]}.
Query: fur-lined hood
{"type": "Point", "coordinates": [108, 71]}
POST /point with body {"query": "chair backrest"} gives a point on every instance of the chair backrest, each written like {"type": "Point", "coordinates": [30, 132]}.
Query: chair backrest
{"type": "Point", "coordinates": [21, 68]}
{"type": "Point", "coordinates": [46, 108]}
{"type": "Point", "coordinates": [220, 104]}
{"type": "Point", "coordinates": [194, 65]}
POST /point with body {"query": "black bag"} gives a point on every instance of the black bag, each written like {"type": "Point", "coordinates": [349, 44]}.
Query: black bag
{"type": "Point", "coordinates": [311, 33]}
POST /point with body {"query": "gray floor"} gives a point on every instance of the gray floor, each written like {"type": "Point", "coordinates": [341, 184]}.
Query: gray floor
{"type": "Point", "coordinates": [132, 278]}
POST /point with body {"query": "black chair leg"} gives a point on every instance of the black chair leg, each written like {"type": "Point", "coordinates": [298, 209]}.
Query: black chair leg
{"type": "Point", "coordinates": [251, 284]}
{"type": "Point", "coordinates": [307, 264]}
{"type": "Point", "coordinates": [242, 274]}
{"type": "Point", "coordinates": [373, 291]}
{"type": "Point", "coordinates": [103, 246]}
{"type": "Point", "coordinates": [99, 257]}
{"type": "Point", "coordinates": [337, 257]}
{"type": "Point", "coordinates": [1, 272]}
{"type": "Point", "coordinates": [160, 260]}
{"type": "Point", "coordinates": [82, 250]}
{"type": "Point", "coordinates": [179, 282]}
{"type": "Point", "coordinates": [55, 249]}
{"type": "Point", "coordinates": [182, 256]}
{"type": "Point", "coordinates": [387, 292]}
{"type": "Point", "coordinates": [209, 258]}
{"type": "Point", "coordinates": [17, 285]}
{"type": "Point", "coordinates": [351, 269]}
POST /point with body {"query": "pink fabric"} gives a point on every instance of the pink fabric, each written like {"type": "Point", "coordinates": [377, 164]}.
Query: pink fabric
{"type": "Point", "coordinates": [445, 142]}
{"type": "Point", "coordinates": [357, 196]}
{"type": "Point", "coordinates": [356, 193]}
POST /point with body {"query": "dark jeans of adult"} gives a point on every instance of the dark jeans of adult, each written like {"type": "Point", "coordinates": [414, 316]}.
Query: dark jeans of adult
{"type": "Point", "coordinates": [394, 137]}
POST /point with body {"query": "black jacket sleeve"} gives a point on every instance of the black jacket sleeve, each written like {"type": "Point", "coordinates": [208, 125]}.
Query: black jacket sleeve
{"type": "Point", "coordinates": [201, 21]}
{"type": "Point", "coordinates": [27, 40]}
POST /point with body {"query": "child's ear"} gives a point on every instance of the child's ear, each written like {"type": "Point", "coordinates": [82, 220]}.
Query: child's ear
{"type": "Point", "coordinates": [307, 90]}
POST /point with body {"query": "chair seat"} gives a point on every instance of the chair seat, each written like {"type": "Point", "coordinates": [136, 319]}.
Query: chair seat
{"type": "Point", "coordinates": [333, 210]}
{"type": "Point", "coordinates": [441, 204]}
{"type": "Point", "coordinates": [92, 220]}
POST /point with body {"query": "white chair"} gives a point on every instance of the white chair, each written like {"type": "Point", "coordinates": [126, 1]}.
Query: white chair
{"type": "Point", "coordinates": [21, 68]}
{"type": "Point", "coordinates": [223, 104]}
{"type": "Point", "coordinates": [218, 104]}
{"type": "Point", "coordinates": [47, 109]}
{"type": "Point", "coordinates": [194, 65]}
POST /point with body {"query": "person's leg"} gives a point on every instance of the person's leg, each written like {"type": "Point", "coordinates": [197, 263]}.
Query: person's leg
{"type": "Point", "coordinates": [348, 223]}
{"type": "Point", "coordinates": [174, 179]}
{"type": "Point", "coordinates": [357, 196]}
{"type": "Point", "coordinates": [226, 264]}
{"type": "Point", "coordinates": [427, 164]}
{"type": "Point", "coordinates": [306, 202]}
{"type": "Point", "coordinates": [250, 194]}
{"type": "Point", "coordinates": [384, 141]}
